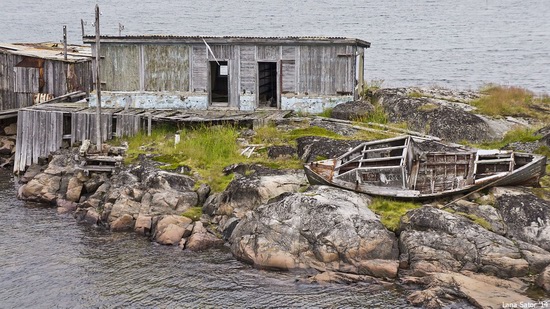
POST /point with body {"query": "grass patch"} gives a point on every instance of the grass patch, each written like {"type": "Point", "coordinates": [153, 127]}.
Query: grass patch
{"type": "Point", "coordinates": [504, 101]}
{"type": "Point", "coordinates": [391, 211]}
{"type": "Point", "coordinates": [378, 115]}
{"type": "Point", "coordinates": [415, 95]}
{"type": "Point", "coordinates": [517, 134]}
{"type": "Point", "coordinates": [193, 213]}
{"type": "Point", "coordinates": [327, 112]}
{"type": "Point", "coordinates": [499, 101]}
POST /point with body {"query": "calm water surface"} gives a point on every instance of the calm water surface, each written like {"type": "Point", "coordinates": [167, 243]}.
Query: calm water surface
{"type": "Point", "coordinates": [49, 261]}
{"type": "Point", "coordinates": [457, 44]}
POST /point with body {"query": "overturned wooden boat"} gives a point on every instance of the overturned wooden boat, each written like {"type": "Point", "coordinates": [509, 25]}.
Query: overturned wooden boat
{"type": "Point", "coordinates": [410, 168]}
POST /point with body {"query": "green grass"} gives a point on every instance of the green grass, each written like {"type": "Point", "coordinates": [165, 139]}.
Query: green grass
{"type": "Point", "coordinates": [378, 115]}
{"type": "Point", "coordinates": [415, 95]}
{"type": "Point", "coordinates": [391, 211]}
{"type": "Point", "coordinates": [517, 134]}
{"type": "Point", "coordinates": [428, 107]}
{"type": "Point", "coordinates": [193, 213]}
{"type": "Point", "coordinates": [504, 101]}
{"type": "Point", "coordinates": [327, 112]}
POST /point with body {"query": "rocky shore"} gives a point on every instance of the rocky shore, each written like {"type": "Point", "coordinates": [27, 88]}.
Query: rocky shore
{"type": "Point", "coordinates": [488, 249]}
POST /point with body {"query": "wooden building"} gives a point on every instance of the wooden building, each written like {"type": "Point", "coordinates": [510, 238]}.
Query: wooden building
{"type": "Point", "coordinates": [36, 72]}
{"type": "Point", "coordinates": [244, 73]}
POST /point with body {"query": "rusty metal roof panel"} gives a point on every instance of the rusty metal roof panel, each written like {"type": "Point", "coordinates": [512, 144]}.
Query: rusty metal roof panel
{"type": "Point", "coordinates": [48, 50]}
{"type": "Point", "coordinates": [287, 40]}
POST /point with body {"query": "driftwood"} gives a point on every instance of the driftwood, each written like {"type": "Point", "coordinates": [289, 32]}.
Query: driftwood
{"type": "Point", "coordinates": [385, 128]}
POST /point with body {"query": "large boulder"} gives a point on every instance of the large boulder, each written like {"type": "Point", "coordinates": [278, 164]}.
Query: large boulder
{"type": "Point", "coordinates": [201, 239]}
{"type": "Point", "coordinates": [352, 110]}
{"type": "Point", "coordinates": [313, 148]}
{"type": "Point", "coordinates": [323, 228]}
{"type": "Point", "coordinates": [247, 192]}
{"type": "Point", "coordinates": [448, 120]}
{"type": "Point", "coordinates": [43, 188]}
{"type": "Point", "coordinates": [526, 216]}
{"type": "Point", "coordinates": [170, 229]}
{"type": "Point", "coordinates": [433, 240]}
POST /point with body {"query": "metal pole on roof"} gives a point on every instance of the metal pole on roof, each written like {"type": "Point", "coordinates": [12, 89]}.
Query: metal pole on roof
{"type": "Point", "coordinates": [98, 81]}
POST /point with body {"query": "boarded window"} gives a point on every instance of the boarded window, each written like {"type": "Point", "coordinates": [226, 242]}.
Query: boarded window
{"type": "Point", "coordinates": [120, 67]}
{"type": "Point", "coordinates": [166, 68]}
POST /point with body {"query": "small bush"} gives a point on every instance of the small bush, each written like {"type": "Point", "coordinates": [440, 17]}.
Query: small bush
{"type": "Point", "coordinates": [391, 211]}
{"type": "Point", "coordinates": [327, 112]}
{"type": "Point", "coordinates": [517, 134]}
{"type": "Point", "coordinates": [504, 101]}
{"type": "Point", "coordinates": [378, 115]}
{"type": "Point", "coordinates": [193, 213]}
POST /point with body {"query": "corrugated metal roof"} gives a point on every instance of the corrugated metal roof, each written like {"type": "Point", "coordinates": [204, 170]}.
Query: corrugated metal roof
{"type": "Point", "coordinates": [48, 50]}
{"type": "Point", "coordinates": [230, 39]}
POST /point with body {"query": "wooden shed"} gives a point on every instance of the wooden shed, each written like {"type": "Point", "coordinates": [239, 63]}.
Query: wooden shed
{"type": "Point", "coordinates": [38, 71]}
{"type": "Point", "coordinates": [244, 73]}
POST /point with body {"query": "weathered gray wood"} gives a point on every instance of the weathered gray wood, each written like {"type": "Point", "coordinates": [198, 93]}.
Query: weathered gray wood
{"type": "Point", "coordinates": [166, 68]}
{"type": "Point", "coordinates": [248, 69]}
{"type": "Point", "coordinates": [98, 80]}
{"type": "Point", "coordinates": [268, 53]}
{"type": "Point", "coordinates": [199, 68]}
{"type": "Point", "coordinates": [288, 76]}
{"type": "Point", "coordinates": [18, 143]}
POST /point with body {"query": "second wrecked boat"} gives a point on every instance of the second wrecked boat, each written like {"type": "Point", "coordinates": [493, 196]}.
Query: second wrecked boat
{"type": "Point", "coordinates": [404, 168]}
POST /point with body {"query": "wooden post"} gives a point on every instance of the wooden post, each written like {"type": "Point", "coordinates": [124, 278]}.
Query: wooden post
{"type": "Point", "coordinates": [98, 80]}
{"type": "Point", "coordinates": [82, 26]}
{"type": "Point", "coordinates": [65, 42]}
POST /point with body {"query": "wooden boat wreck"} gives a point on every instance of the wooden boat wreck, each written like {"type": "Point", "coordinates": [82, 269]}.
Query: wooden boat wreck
{"type": "Point", "coordinates": [406, 167]}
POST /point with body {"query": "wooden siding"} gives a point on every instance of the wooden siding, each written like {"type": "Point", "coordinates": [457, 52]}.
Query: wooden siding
{"type": "Point", "coordinates": [18, 85]}
{"type": "Point", "coordinates": [325, 70]}
{"type": "Point", "coordinates": [166, 68]}
{"type": "Point", "coordinates": [120, 67]}
{"type": "Point", "coordinates": [40, 131]}
{"type": "Point", "coordinates": [248, 68]}
{"type": "Point", "coordinates": [269, 53]}
{"type": "Point", "coordinates": [221, 52]}
{"type": "Point", "coordinates": [200, 68]}
{"type": "Point", "coordinates": [288, 78]}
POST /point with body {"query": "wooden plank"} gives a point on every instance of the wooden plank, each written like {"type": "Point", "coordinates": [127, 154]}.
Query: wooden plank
{"type": "Point", "coordinates": [248, 69]}
{"type": "Point", "coordinates": [199, 68]}
{"type": "Point", "coordinates": [166, 67]}
{"type": "Point", "coordinates": [268, 53]}
{"type": "Point", "coordinates": [18, 142]}
{"type": "Point", "coordinates": [288, 76]}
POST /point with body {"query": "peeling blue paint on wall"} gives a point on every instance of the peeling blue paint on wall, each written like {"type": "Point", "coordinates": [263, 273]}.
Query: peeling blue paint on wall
{"type": "Point", "coordinates": [152, 100]}
{"type": "Point", "coordinates": [312, 105]}
{"type": "Point", "coordinates": [190, 100]}
{"type": "Point", "coordinates": [247, 103]}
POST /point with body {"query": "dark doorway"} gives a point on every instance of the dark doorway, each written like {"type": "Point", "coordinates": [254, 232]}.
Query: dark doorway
{"type": "Point", "coordinates": [267, 84]}
{"type": "Point", "coordinates": [219, 82]}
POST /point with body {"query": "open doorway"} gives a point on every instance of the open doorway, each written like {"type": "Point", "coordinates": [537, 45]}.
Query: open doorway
{"type": "Point", "coordinates": [267, 85]}
{"type": "Point", "coordinates": [219, 82]}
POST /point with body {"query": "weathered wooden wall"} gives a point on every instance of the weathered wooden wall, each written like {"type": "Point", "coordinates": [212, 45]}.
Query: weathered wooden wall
{"type": "Point", "coordinates": [41, 131]}
{"type": "Point", "coordinates": [18, 85]}
{"type": "Point", "coordinates": [149, 67]}
{"type": "Point", "coordinates": [314, 70]}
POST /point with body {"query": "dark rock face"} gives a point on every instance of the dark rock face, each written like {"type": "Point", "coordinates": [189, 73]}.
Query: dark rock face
{"type": "Point", "coordinates": [323, 228]}
{"type": "Point", "coordinates": [352, 110]}
{"type": "Point", "coordinates": [423, 115]}
{"type": "Point", "coordinates": [275, 152]}
{"type": "Point", "coordinates": [311, 148]}
{"type": "Point", "coordinates": [433, 240]}
{"type": "Point", "coordinates": [526, 216]}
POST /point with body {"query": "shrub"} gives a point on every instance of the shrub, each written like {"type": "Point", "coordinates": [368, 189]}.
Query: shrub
{"type": "Point", "coordinates": [391, 211]}
{"type": "Point", "coordinates": [504, 101]}
{"type": "Point", "coordinates": [193, 213]}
